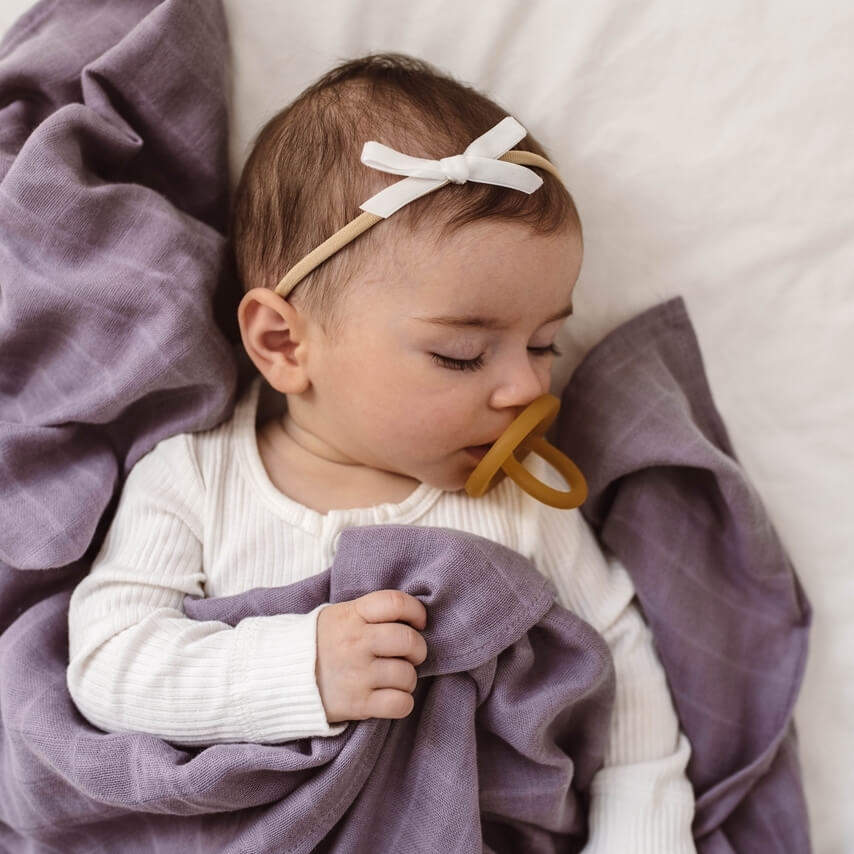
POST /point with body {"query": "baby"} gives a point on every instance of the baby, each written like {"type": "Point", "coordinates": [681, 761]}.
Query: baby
{"type": "Point", "coordinates": [403, 348]}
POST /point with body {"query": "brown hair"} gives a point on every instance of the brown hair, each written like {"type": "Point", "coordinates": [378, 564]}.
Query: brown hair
{"type": "Point", "coordinates": [303, 179]}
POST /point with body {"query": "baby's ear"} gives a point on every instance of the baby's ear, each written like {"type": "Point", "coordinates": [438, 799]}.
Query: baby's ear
{"type": "Point", "coordinates": [274, 336]}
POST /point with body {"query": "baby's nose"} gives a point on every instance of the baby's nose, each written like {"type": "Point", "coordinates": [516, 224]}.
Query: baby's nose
{"type": "Point", "coordinates": [519, 388]}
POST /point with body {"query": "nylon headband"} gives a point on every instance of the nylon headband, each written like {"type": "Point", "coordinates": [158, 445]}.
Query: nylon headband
{"type": "Point", "coordinates": [487, 160]}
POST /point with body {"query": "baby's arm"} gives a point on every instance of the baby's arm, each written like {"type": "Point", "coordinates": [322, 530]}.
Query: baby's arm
{"type": "Point", "coordinates": [641, 800]}
{"type": "Point", "coordinates": [138, 663]}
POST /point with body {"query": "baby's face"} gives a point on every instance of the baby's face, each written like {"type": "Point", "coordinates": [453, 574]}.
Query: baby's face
{"type": "Point", "coordinates": [443, 343]}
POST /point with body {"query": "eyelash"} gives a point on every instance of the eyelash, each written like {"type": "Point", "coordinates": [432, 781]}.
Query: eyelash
{"type": "Point", "coordinates": [477, 363]}
{"type": "Point", "coordinates": [458, 364]}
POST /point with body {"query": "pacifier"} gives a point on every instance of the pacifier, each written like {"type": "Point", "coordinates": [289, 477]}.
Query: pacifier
{"type": "Point", "coordinates": [526, 434]}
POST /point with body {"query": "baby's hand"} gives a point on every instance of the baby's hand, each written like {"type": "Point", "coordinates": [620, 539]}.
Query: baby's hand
{"type": "Point", "coordinates": [366, 655]}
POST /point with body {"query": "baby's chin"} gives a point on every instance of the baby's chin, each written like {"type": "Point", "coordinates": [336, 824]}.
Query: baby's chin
{"type": "Point", "coordinates": [448, 473]}
{"type": "Point", "coordinates": [448, 481]}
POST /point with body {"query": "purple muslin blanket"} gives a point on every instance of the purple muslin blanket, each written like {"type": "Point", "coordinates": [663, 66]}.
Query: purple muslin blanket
{"type": "Point", "coordinates": [512, 712]}
{"type": "Point", "coordinates": [113, 203]}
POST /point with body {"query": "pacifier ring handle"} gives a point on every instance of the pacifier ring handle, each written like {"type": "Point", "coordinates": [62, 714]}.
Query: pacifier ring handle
{"type": "Point", "coordinates": [527, 431]}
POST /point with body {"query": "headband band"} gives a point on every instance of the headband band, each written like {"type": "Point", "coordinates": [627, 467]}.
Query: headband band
{"type": "Point", "coordinates": [487, 160]}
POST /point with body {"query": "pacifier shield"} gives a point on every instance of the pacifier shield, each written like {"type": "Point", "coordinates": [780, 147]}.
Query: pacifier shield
{"type": "Point", "coordinates": [527, 432]}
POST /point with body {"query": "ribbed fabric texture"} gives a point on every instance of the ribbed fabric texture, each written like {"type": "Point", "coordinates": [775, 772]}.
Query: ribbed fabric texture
{"type": "Point", "coordinates": [199, 516]}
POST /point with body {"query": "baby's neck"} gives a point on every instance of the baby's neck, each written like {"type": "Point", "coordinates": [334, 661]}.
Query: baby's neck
{"type": "Point", "coordinates": [306, 470]}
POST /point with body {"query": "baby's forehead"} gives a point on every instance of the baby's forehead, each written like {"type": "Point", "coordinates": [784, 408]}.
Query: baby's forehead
{"type": "Point", "coordinates": [470, 269]}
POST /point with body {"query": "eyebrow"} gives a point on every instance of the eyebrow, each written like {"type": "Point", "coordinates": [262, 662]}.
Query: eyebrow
{"type": "Point", "coordinates": [473, 321]}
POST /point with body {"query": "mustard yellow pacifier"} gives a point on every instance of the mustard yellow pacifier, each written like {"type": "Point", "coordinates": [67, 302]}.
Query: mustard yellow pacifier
{"type": "Point", "coordinates": [527, 434]}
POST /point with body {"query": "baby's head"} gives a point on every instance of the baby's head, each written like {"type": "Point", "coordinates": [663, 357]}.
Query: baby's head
{"type": "Point", "coordinates": [303, 180]}
{"type": "Point", "coordinates": [413, 347]}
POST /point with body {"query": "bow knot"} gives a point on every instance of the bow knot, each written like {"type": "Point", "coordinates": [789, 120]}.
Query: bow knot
{"type": "Point", "coordinates": [455, 169]}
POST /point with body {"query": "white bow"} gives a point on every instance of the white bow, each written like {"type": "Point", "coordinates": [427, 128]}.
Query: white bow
{"type": "Point", "coordinates": [477, 163]}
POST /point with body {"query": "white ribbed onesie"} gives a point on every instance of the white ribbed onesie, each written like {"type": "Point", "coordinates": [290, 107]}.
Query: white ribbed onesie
{"type": "Point", "coordinates": [199, 515]}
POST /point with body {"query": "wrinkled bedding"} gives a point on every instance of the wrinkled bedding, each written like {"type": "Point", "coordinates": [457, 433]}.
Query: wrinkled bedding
{"type": "Point", "coordinates": [113, 266]}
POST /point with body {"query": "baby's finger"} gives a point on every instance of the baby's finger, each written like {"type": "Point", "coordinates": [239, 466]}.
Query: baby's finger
{"type": "Point", "coordinates": [396, 640]}
{"type": "Point", "coordinates": [393, 673]}
{"type": "Point", "coordinates": [389, 703]}
{"type": "Point", "coordinates": [391, 606]}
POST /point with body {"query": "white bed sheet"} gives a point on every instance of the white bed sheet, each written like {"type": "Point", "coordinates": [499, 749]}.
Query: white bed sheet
{"type": "Point", "coordinates": [709, 148]}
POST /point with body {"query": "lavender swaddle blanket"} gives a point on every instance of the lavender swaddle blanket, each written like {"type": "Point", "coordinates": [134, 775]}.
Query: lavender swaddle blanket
{"type": "Point", "coordinates": [456, 775]}
{"type": "Point", "coordinates": [114, 197]}
{"type": "Point", "coordinates": [113, 204]}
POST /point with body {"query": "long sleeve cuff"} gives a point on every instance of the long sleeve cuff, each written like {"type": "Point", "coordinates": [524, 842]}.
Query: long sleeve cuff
{"type": "Point", "coordinates": [273, 681]}
{"type": "Point", "coordinates": [645, 808]}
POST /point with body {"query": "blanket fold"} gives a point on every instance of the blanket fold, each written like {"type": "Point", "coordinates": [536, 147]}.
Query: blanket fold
{"type": "Point", "coordinates": [113, 204]}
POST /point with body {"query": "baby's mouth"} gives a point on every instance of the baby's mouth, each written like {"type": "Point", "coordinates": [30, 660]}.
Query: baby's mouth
{"type": "Point", "coordinates": [478, 451]}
